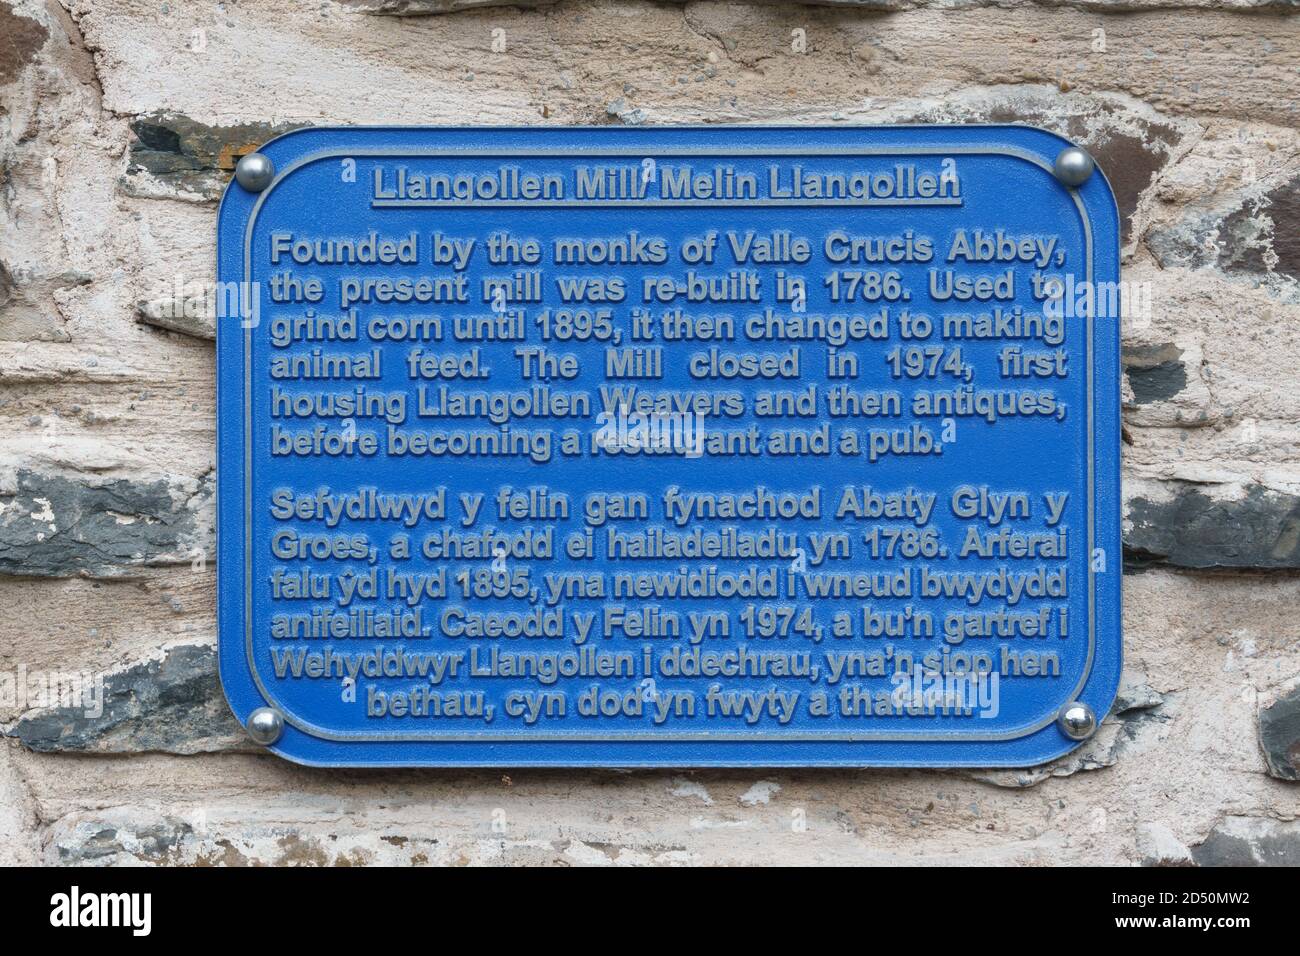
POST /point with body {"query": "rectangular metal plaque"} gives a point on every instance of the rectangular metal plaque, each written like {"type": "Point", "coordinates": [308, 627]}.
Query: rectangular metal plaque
{"type": "Point", "coordinates": [669, 447]}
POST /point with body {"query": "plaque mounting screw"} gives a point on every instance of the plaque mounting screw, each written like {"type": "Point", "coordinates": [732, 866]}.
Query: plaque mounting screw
{"type": "Point", "coordinates": [1077, 721]}
{"type": "Point", "coordinates": [265, 725]}
{"type": "Point", "coordinates": [1073, 166]}
{"type": "Point", "coordinates": [254, 172]}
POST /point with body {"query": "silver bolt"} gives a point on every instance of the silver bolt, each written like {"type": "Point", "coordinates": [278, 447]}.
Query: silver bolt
{"type": "Point", "coordinates": [265, 725]}
{"type": "Point", "coordinates": [254, 172]}
{"type": "Point", "coordinates": [1074, 166]}
{"type": "Point", "coordinates": [1077, 721]}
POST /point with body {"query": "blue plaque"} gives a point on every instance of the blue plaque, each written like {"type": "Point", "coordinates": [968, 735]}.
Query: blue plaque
{"type": "Point", "coordinates": [669, 447]}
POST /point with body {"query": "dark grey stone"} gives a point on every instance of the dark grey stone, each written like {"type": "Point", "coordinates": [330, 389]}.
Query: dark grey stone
{"type": "Point", "coordinates": [99, 845]}
{"type": "Point", "coordinates": [1155, 372]}
{"type": "Point", "coordinates": [1193, 530]}
{"type": "Point", "coordinates": [173, 705]}
{"type": "Point", "coordinates": [51, 526]}
{"type": "Point", "coordinates": [155, 843]}
{"type": "Point", "coordinates": [185, 156]}
{"type": "Point", "coordinates": [1279, 736]}
{"type": "Point", "coordinates": [1250, 841]}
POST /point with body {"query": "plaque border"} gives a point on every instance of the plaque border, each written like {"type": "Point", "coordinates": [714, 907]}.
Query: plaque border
{"type": "Point", "coordinates": [705, 736]}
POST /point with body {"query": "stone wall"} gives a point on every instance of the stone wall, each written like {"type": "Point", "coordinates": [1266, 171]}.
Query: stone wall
{"type": "Point", "coordinates": [120, 121]}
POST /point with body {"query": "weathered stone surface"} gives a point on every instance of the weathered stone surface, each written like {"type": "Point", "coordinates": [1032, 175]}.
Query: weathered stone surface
{"type": "Point", "coordinates": [1253, 234]}
{"type": "Point", "coordinates": [189, 315]}
{"type": "Point", "coordinates": [1279, 734]}
{"type": "Point", "coordinates": [175, 157]}
{"type": "Point", "coordinates": [172, 704]}
{"type": "Point", "coordinates": [56, 526]}
{"type": "Point", "coordinates": [21, 38]}
{"type": "Point", "coordinates": [18, 841]}
{"type": "Point", "coordinates": [1204, 638]}
{"type": "Point", "coordinates": [25, 311]}
{"type": "Point", "coordinates": [1250, 841]}
{"type": "Point", "coordinates": [1193, 528]}
{"type": "Point", "coordinates": [1267, 230]}
{"type": "Point", "coordinates": [101, 843]}
{"type": "Point", "coordinates": [193, 836]}
{"type": "Point", "coordinates": [630, 116]}
{"type": "Point", "coordinates": [1130, 141]}
{"type": "Point", "coordinates": [568, 61]}
{"type": "Point", "coordinates": [39, 267]}
{"type": "Point", "coordinates": [263, 813]}
{"type": "Point", "coordinates": [417, 8]}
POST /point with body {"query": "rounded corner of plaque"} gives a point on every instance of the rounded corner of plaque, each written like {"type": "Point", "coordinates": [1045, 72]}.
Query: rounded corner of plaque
{"type": "Point", "coordinates": [289, 158]}
{"type": "Point", "coordinates": [245, 710]}
{"type": "Point", "coordinates": [1077, 720]}
{"type": "Point", "coordinates": [1104, 701]}
{"type": "Point", "coordinates": [1062, 140]}
{"type": "Point", "coordinates": [1062, 747]}
{"type": "Point", "coordinates": [289, 754]}
{"type": "Point", "coordinates": [1093, 191]}
{"type": "Point", "coordinates": [279, 138]}
{"type": "Point", "coordinates": [232, 196]}
{"type": "Point", "coordinates": [240, 713]}
{"type": "Point", "coordinates": [232, 188]}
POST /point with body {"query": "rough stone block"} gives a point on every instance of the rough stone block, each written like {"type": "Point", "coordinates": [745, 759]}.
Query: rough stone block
{"type": "Point", "coordinates": [171, 704]}
{"type": "Point", "coordinates": [1200, 527]}
{"type": "Point", "coordinates": [52, 525]}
